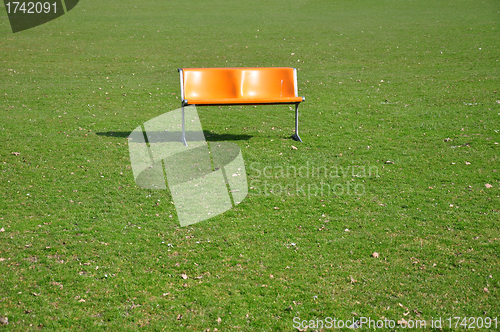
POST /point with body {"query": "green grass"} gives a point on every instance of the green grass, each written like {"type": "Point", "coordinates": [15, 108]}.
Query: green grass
{"type": "Point", "coordinates": [383, 80]}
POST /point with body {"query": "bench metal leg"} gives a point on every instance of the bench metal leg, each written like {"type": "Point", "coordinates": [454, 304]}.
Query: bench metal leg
{"type": "Point", "coordinates": [183, 138]}
{"type": "Point", "coordinates": [296, 135]}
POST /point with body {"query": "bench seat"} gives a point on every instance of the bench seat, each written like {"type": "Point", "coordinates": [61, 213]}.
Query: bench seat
{"type": "Point", "coordinates": [240, 86]}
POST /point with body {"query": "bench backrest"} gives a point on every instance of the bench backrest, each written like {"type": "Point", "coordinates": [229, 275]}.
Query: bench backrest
{"type": "Point", "coordinates": [233, 83]}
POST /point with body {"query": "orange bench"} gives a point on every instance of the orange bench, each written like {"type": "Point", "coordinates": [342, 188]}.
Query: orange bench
{"type": "Point", "coordinates": [239, 86]}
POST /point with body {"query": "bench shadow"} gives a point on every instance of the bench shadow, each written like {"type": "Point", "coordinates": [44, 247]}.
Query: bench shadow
{"type": "Point", "coordinates": [174, 136]}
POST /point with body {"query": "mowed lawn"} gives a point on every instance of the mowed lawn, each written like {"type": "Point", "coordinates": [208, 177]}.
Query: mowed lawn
{"type": "Point", "coordinates": [401, 131]}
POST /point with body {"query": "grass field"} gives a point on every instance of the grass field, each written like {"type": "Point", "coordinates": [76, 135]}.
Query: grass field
{"type": "Point", "coordinates": [402, 104]}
